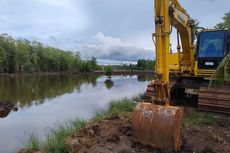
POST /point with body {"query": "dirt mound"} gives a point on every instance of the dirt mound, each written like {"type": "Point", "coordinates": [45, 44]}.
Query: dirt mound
{"type": "Point", "coordinates": [115, 136]}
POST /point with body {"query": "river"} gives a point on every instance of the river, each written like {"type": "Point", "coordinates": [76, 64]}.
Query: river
{"type": "Point", "coordinates": [44, 102]}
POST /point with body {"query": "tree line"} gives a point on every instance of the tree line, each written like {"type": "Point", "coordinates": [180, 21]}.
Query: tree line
{"type": "Point", "coordinates": [142, 64]}
{"type": "Point", "coordinates": [23, 56]}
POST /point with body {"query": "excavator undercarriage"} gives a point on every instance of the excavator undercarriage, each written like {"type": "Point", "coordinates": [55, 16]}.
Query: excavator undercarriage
{"type": "Point", "coordinates": [197, 93]}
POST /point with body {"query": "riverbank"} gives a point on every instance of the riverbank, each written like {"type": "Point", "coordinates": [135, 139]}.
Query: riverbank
{"type": "Point", "coordinates": [56, 140]}
{"type": "Point", "coordinates": [110, 131]}
{"type": "Point", "coordinates": [115, 72]}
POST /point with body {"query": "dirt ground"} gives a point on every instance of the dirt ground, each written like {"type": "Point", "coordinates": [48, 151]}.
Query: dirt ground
{"type": "Point", "coordinates": [115, 136]}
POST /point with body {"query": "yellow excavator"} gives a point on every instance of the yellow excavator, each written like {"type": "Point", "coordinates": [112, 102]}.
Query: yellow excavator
{"type": "Point", "coordinates": [157, 121]}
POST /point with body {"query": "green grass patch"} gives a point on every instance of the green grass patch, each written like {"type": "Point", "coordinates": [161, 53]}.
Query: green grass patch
{"type": "Point", "coordinates": [33, 142]}
{"type": "Point", "coordinates": [55, 139]}
{"type": "Point", "coordinates": [139, 97]}
{"type": "Point", "coordinates": [196, 119]}
{"type": "Point", "coordinates": [117, 107]}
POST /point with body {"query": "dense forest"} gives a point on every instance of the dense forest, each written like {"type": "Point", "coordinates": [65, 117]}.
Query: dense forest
{"type": "Point", "coordinates": [23, 56]}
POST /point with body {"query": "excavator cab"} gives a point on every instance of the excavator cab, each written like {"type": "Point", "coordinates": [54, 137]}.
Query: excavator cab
{"type": "Point", "coordinates": [212, 47]}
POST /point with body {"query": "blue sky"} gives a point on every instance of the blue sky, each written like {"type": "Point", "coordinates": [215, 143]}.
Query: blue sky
{"type": "Point", "coordinates": [107, 29]}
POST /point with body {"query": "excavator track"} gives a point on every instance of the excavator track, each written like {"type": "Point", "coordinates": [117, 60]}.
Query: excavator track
{"type": "Point", "coordinates": [214, 100]}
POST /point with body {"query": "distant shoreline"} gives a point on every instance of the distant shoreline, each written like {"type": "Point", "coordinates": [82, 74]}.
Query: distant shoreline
{"type": "Point", "coordinates": [115, 72]}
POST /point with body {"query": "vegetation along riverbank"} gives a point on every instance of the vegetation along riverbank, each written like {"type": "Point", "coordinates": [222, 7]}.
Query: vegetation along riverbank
{"type": "Point", "coordinates": [110, 131]}
{"type": "Point", "coordinates": [25, 57]}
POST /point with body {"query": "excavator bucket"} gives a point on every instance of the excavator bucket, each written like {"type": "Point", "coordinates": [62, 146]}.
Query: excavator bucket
{"type": "Point", "coordinates": [158, 126]}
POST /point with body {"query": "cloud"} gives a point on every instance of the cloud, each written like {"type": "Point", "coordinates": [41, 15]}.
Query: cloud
{"type": "Point", "coordinates": [41, 18]}
{"type": "Point", "coordinates": [107, 47]}
{"type": "Point", "coordinates": [125, 26]}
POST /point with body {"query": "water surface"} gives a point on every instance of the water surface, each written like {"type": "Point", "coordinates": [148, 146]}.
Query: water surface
{"type": "Point", "coordinates": [46, 101]}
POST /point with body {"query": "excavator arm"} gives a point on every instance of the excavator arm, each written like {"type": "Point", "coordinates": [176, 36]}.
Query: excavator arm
{"type": "Point", "coordinates": [168, 14]}
{"type": "Point", "coordinates": [157, 123]}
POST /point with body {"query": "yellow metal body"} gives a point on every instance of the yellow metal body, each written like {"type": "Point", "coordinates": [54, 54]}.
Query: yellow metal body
{"type": "Point", "coordinates": [160, 125]}
{"type": "Point", "coordinates": [174, 65]}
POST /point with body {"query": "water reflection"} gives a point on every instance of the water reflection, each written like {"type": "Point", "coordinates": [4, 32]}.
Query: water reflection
{"type": "Point", "coordinates": [45, 100]}
{"type": "Point", "coordinates": [143, 78]}
{"type": "Point", "coordinates": [109, 83]}
{"type": "Point", "coordinates": [30, 90]}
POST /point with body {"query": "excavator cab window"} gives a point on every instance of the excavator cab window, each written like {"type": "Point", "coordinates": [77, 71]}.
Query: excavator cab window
{"type": "Point", "coordinates": [212, 44]}
{"type": "Point", "coordinates": [211, 48]}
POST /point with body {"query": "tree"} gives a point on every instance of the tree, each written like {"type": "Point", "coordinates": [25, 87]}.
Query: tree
{"type": "Point", "coordinates": [3, 59]}
{"type": "Point", "coordinates": [23, 56]}
{"type": "Point", "coordinates": [225, 23]}
{"type": "Point", "coordinates": [108, 70]}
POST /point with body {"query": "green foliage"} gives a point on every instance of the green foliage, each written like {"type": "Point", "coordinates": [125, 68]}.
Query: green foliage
{"type": "Point", "coordinates": [33, 142]}
{"type": "Point", "coordinates": [225, 23]}
{"type": "Point", "coordinates": [196, 118]}
{"type": "Point", "coordinates": [139, 97]}
{"type": "Point", "coordinates": [222, 73]}
{"type": "Point", "coordinates": [117, 107]}
{"type": "Point", "coordinates": [145, 65]}
{"type": "Point", "coordinates": [23, 56]}
{"type": "Point", "coordinates": [55, 140]}
{"type": "Point", "coordinates": [141, 65]}
{"type": "Point", "coordinates": [108, 70]}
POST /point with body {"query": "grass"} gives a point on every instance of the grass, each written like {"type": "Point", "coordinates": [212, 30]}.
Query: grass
{"type": "Point", "coordinates": [55, 139]}
{"type": "Point", "coordinates": [197, 119]}
{"type": "Point", "coordinates": [139, 97]}
{"type": "Point", "coordinates": [33, 142]}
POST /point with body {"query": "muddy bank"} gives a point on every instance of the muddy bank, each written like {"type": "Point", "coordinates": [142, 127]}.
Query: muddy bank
{"type": "Point", "coordinates": [114, 135]}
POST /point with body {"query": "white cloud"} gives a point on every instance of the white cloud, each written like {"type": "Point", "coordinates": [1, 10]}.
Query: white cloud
{"type": "Point", "coordinates": [42, 18]}
{"type": "Point", "coordinates": [108, 47]}
{"type": "Point", "coordinates": [127, 24]}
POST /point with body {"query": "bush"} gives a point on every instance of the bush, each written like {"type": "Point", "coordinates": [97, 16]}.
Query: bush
{"type": "Point", "coordinates": [108, 70]}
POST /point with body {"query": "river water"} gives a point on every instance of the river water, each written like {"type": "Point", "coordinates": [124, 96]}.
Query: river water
{"type": "Point", "coordinates": [44, 102]}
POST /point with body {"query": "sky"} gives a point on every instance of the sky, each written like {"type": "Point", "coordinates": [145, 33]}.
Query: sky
{"type": "Point", "coordinates": [106, 29]}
